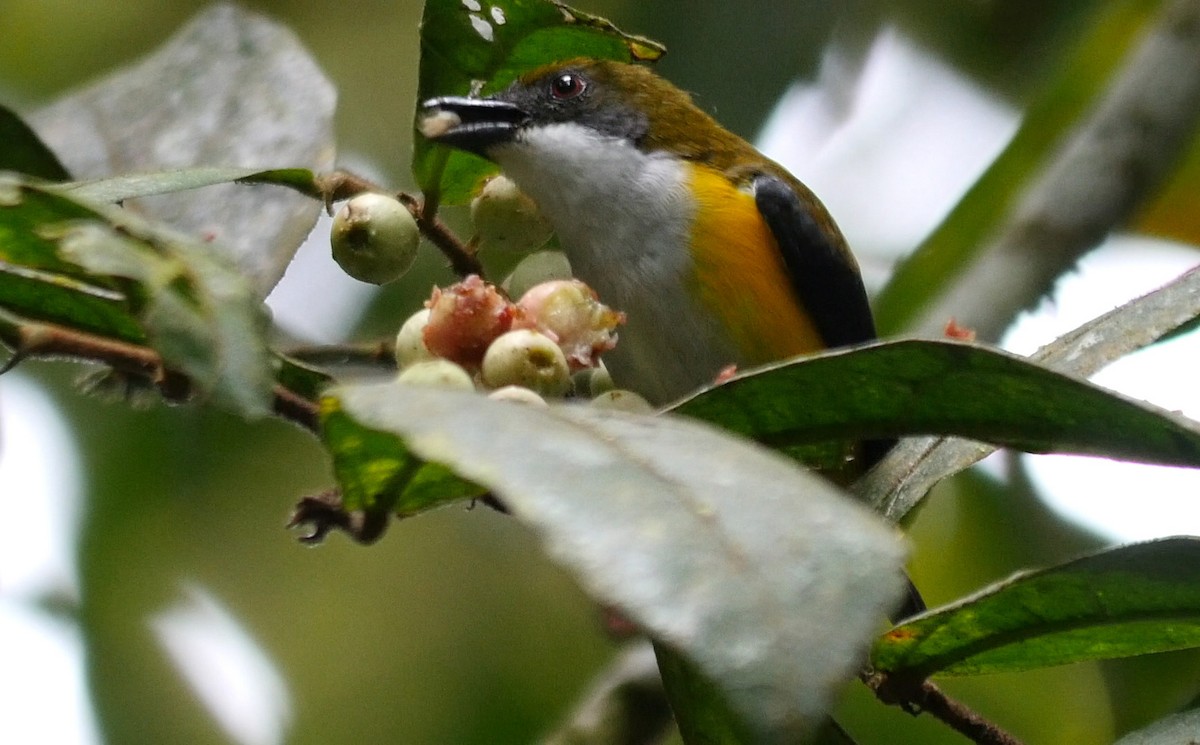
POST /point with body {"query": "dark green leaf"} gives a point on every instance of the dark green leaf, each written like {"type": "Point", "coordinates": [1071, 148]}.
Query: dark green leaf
{"type": "Point", "coordinates": [231, 88]}
{"type": "Point", "coordinates": [304, 381]}
{"type": "Point", "coordinates": [377, 473]}
{"type": "Point", "coordinates": [1131, 600]}
{"type": "Point", "coordinates": [916, 387]}
{"type": "Point", "coordinates": [468, 47]}
{"type": "Point", "coordinates": [702, 709]}
{"type": "Point", "coordinates": [298, 179]}
{"type": "Point", "coordinates": [912, 468]}
{"type": "Point", "coordinates": [103, 271]}
{"type": "Point", "coordinates": [626, 703]}
{"type": "Point", "coordinates": [37, 284]}
{"type": "Point", "coordinates": [765, 576]}
{"type": "Point", "coordinates": [22, 151]}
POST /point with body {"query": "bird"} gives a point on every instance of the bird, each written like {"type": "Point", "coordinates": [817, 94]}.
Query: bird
{"type": "Point", "coordinates": [717, 255]}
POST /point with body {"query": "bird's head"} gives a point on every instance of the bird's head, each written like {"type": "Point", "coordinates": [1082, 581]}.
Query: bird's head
{"type": "Point", "coordinates": [600, 100]}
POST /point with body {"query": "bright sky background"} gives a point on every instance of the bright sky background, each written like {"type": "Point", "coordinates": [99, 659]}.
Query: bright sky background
{"type": "Point", "coordinates": [898, 147]}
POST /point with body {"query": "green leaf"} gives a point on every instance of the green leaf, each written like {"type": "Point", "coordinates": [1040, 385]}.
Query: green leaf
{"type": "Point", "coordinates": [1179, 729]}
{"type": "Point", "coordinates": [702, 710]}
{"type": "Point", "coordinates": [230, 88]}
{"type": "Point", "coordinates": [764, 576]}
{"type": "Point", "coordinates": [133, 186]}
{"type": "Point", "coordinates": [911, 469]}
{"type": "Point", "coordinates": [22, 151]}
{"type": "Point", "coordinates": [377, 473]}
{"type": "Point", "coordinates": [103, 271]}
{"type": "Point", "coordinates": [1132, 600]}
{"type": "Point", "coordinates": [37, 284]}
{"type": "Point", "coordinates": [306, 382]}
{"type": "Point", "coordinates": [930, 271]}
{"type": "Point", "coordinates": [469, 47]}
{"type": "Point", "coordinates": [916, 387]}
{"type": "Point", "coordinates": [625, 703]}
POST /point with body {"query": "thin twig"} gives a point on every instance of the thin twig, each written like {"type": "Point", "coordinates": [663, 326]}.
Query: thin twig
{"type": "Point", "coordinates": [38, 340]}
{"type": "Point", "coordinates": [961, 718]}
{"type": "Point", "coordinates": [295, 408]}
{"type": "Point", "coordinates": [33, 339]}
{"type": "Point", "coordinates": [373, 354]}
{"type": "Point", "coordinates": [926, 697]}
{"type": "Point", "coordinates": [462, 260]}
{"type": "Point", "coordinates": [339, 185]}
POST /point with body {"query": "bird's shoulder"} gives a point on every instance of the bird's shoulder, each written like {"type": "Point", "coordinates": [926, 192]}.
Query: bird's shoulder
{"type": "Point", "coordinates": [823, 271]}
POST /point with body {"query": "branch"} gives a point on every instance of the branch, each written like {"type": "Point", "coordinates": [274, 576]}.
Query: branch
{"type": "Point", "coordinates": [1114, 160]}
{"type": "Point", "coordinates": [36, 340]}
{"type": "Point", "coordinates": [462, 259]}
{"type": "Point", "coordinates": [339, 185]}
{"type": "Point", "coordinates": [295, 408]}
{"type": "Point", "coordinates": [374, 354]}
{"type": "Point", "coordinates": [928, 698]}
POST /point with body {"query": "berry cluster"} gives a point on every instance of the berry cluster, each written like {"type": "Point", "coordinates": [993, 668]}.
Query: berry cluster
{"type": "Point", "coordinates": [472, 335]}
{"type": "Point", "coordinates": [547, 344]}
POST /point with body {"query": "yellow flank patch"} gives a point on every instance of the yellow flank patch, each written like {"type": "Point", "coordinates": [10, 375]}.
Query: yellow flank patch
{"type": "Point", "coordinates": [740, 274]}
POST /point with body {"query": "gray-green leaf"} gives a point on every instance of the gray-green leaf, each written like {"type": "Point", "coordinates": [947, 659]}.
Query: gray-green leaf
{"type": "Point", "coordinates": [1180, 729]}
{"type": "Point", "coordinates": [766, 577]}
{"type": "Point", "coordinates": [230, 89]}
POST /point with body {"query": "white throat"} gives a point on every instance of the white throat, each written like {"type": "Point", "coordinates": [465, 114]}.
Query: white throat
{"type": "Point", "coordinates": [624, 218]}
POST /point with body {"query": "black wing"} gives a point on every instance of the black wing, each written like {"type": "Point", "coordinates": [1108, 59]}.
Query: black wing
{"type": "Point", "coordinates": [830, 288]}
{"type": "Point", "coordinates": [822, 272]}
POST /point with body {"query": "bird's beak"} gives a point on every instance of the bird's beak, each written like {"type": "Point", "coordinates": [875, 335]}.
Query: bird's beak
{"type": "Point", "coordinates": [472, 124]}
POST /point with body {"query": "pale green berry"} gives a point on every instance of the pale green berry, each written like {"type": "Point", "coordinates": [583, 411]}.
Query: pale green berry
{"type": "Point", "coordinates": [518, 394]}
{"type": "Point", "coordinates": [536, 268]}
{"type": "Point", "coordinates": [374, 238]}
{"type": "Point", "coordinates": [410, 342]}
{"type": "Point", "coordinates": [581, 381]}
{"type": "Point", "coordinates": [600, 382]}
{"type": "Point", "coordinates": [592, 381]}
{"type": "Point", "coordinates": [507, 220]}
{"type": "Point", "coordinates": [436, 374]}
{"type": "Point", "coordinates": [620, 400]}
{"type": "Point", "coordinates": [528, 359]}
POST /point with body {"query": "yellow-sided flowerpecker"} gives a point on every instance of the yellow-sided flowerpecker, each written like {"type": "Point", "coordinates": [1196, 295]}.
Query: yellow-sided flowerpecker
{"type": "Point", "coordinates": [717, 255]}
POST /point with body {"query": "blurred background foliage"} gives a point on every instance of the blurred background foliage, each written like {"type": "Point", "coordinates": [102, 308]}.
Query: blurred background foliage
{"type": "Point", "coordinates": [454, 628]}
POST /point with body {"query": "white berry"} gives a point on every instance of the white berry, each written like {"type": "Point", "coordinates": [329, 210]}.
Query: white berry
{"type": "Point", "coordinates": [528, 359]}
{"type": "Point", "coordinates": [374, 238]}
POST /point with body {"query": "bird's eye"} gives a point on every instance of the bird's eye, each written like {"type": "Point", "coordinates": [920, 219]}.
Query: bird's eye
{"type": "Point", "coordinates": [567, 86]}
